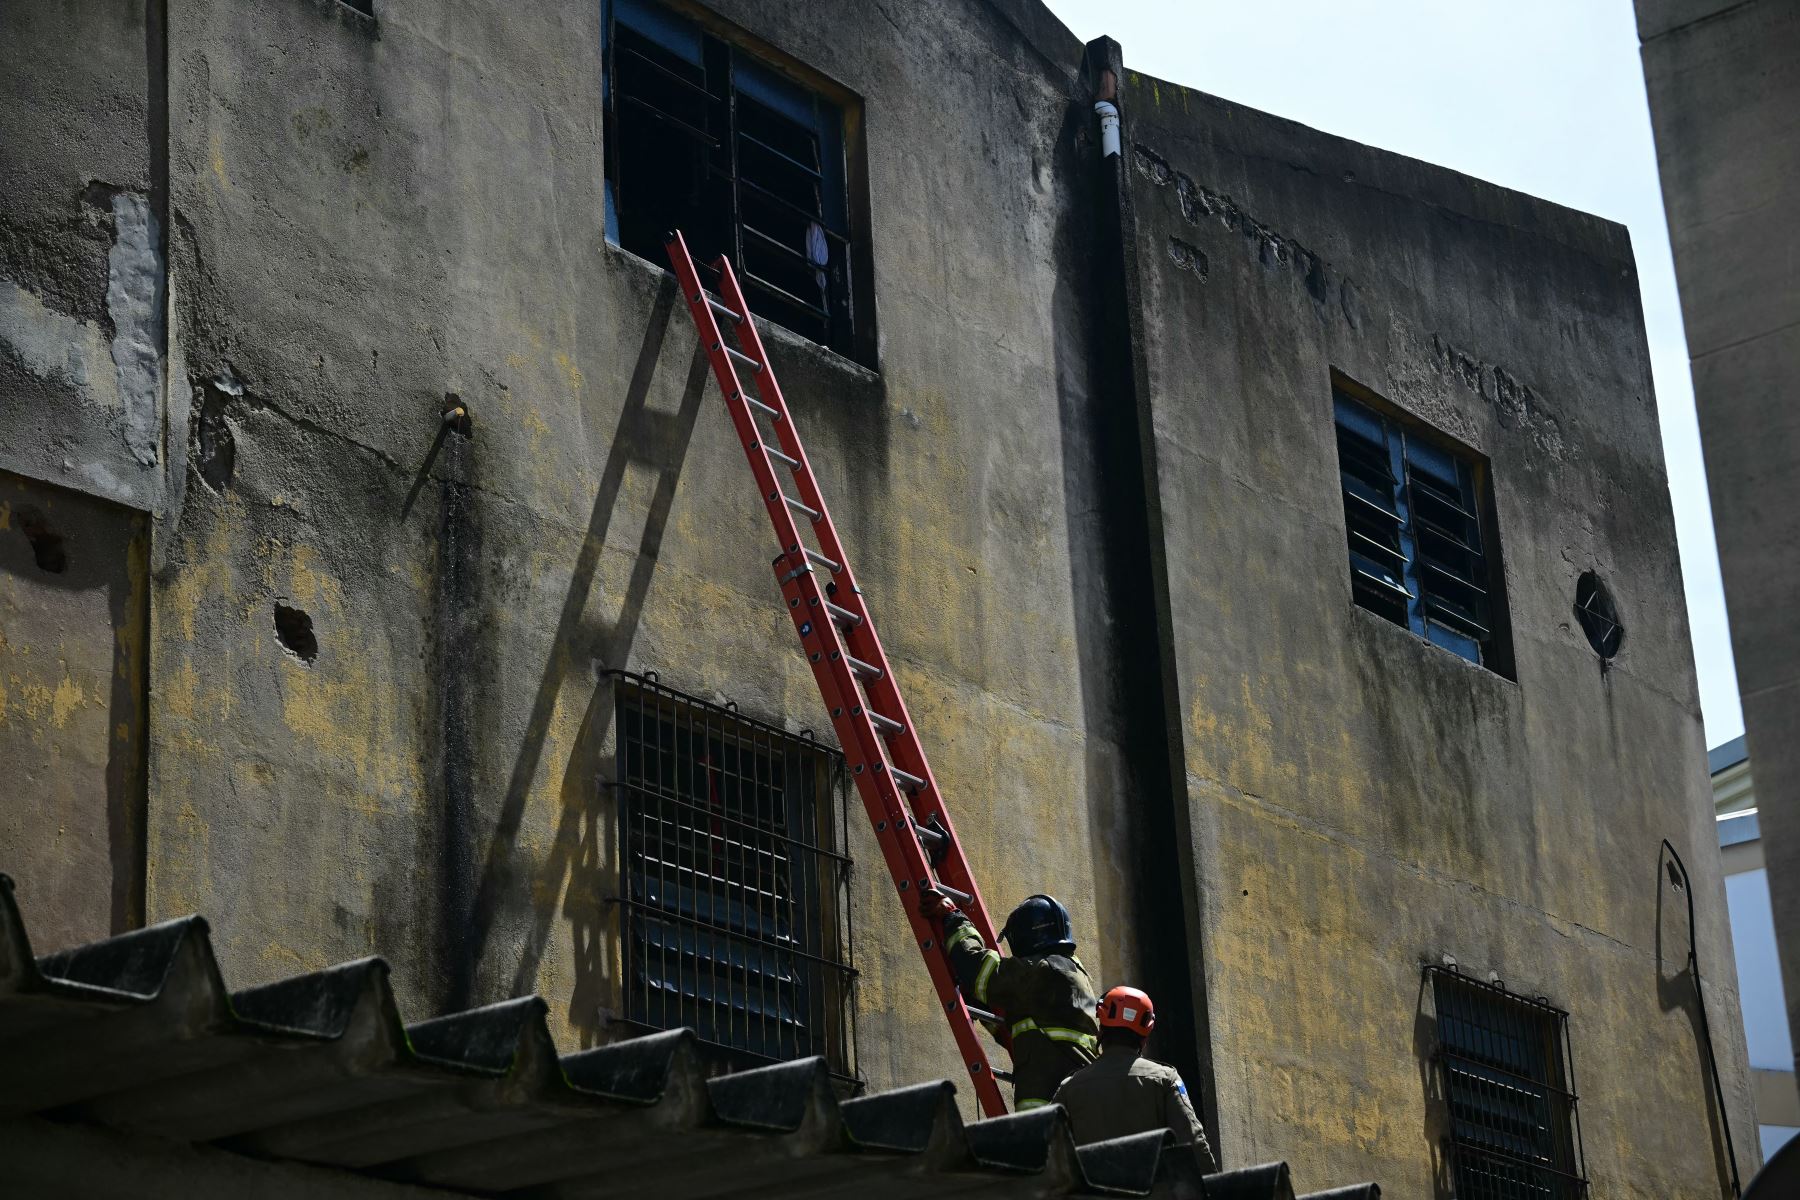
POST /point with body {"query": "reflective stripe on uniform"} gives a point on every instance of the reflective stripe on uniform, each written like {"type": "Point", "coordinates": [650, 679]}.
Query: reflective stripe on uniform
{"type": "Point", "coordinates": [962, 932]}
{"type": "Point", "coordinates": [1023, 1105]}
{"type": "Point", "coordinates": [989, 965]}
{"type": "Point", "coordinates": [1057, 1033]}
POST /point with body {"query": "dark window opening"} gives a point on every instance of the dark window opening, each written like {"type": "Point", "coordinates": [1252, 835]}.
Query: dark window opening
{"type": "Point", "coordinates": [1598, 615]}
{"type": "Point", "coordinates": [734, 885]}
{"type": "Point", "coordinates": [709, 139]}
{"type": "Point", "coordinates": [1417, 517]}
{"type": "Point", "coordinates": [1508, 1079]}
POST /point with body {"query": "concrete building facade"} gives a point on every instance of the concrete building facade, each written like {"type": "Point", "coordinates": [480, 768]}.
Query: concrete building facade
{"type": "Point", "coordinates": [1724, 90]}
{"type": "Point", "coordinates": [343, 676]}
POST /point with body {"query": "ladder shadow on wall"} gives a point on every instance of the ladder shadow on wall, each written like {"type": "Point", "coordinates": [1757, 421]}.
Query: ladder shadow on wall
{"type": "Point", "coordinates": [1431, 1082]}
{"type": "Point", "coordinates": [577, 867]}
{"type": "Point", "coordinates": [1676, 990]}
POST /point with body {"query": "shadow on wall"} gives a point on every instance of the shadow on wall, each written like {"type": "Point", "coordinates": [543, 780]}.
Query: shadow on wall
{"type": "Point", "coordinates": [1675, 989]}
{"type": "Point", "coordinates": [1431, 1082]}
{"type": "Point", "coordinates": [74, 617]}
{"type": "Point", "coordinates": [578, 866]}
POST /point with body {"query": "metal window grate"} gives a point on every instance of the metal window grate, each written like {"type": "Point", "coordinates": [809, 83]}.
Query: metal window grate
{"type": "Point", "coordinates": [1419, 555]}
{"type": "Point", "coordinates": [1508, 1080]}
{"type": "Point", "coordinates": [706, 138]}
{"type": "Point", "coordinates": [737, 918]}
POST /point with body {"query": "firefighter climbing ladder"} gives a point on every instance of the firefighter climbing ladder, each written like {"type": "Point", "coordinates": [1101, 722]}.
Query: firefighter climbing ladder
{"type": "Point", "coordinates": [838, 636]}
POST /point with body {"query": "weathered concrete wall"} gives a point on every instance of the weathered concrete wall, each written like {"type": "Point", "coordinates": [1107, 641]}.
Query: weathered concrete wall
{"type": "Point", "coordinates": [1365, 802]}
{"type": "Point", "coordinates": [1724, 84]}
{"type": "Point", "coordinates": [368, 215]}
{"type": "Point", "coordinates": [81, 256]}
{"type": "Point", "coordinates": [74, 605]}
{"type": "Point", "coordinates": [81, 295]}
{"type": "Point", "coordinates": [376, 711]}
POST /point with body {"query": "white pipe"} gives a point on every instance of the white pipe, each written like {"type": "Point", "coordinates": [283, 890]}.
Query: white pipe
{"type": "Point", "coordinates": [1109, 127]}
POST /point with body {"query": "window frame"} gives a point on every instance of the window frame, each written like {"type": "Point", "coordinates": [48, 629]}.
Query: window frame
{"type": "Point", "coordinates": [1484, 1073]}
{"type": "Point", "coordinates": [792, 950]}
{"type": "Point", "coordinates": [739, 75]}
{"type": "Point", "coordinates": [1403, 562]}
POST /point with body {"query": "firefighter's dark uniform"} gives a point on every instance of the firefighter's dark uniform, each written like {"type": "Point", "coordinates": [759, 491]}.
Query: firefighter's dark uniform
{"type": "Point", "coordinates": [1122, 1093]}
{"type": "Point", "coordinates": [1048, 1002]}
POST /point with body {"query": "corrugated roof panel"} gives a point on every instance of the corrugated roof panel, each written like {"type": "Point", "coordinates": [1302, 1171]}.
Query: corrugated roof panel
{"type": "Point", "coordinates": [137, 1036]}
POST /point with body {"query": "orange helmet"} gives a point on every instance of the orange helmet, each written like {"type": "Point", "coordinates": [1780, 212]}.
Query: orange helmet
{"type": "Point", "coordinates": [1127, 1008]}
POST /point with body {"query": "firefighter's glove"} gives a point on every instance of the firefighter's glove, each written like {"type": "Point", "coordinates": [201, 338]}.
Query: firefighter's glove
{"type": "Point", "coordinates": [937, 906]}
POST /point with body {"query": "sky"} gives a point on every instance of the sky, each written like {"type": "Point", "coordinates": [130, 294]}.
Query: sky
{"type": "Point", "coordinates": [1546, 96]}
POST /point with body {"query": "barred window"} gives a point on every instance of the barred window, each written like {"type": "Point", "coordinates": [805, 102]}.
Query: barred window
{"type": "Point", "coordinates": [736, 924]}
{"type": "Point", "coordinates": [1508, 1081]}
{"type": "Point", "coordinates": [705, 137]}
{"type": "Point", "coordinates": [1421, 547]}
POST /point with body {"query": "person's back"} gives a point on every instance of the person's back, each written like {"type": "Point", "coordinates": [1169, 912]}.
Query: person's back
{"type": "Point", "coordinates": [1049, 1004]}
{"type": "Point", "coordinates": [1041, 988]}
{"type": "Point", "coordinates": [1122, 1092]}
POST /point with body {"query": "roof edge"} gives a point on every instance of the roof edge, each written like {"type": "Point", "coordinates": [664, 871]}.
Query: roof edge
{"type": "Point", "coordinates": [1454, 191]}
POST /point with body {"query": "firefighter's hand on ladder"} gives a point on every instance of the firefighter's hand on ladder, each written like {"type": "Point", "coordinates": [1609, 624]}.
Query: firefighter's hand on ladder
{"type": "Point", "coordinates": [936, 905]}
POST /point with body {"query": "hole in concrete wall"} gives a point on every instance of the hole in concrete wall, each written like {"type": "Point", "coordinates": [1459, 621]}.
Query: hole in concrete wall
{"type": "Point", "coordinates": [46, 543]}
{"type": "Point", "coordinates": [365, 7]}
{"type": "Point", "coordinates": [456, 416]}
{"type": "Point", "coordinates": [1598, 615]}
{"type": "Point", "coordinates": [215, 447]}
{"type": "Point", "coordinates": [295, 631]}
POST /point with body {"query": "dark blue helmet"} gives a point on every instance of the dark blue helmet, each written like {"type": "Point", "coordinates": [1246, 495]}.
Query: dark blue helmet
{"type": "Point", "coordinates": [1039, 926]}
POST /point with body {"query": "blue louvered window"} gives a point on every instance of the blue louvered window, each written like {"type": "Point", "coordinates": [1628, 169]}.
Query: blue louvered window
{"type": "Point", "coordinates": [1421, 554]}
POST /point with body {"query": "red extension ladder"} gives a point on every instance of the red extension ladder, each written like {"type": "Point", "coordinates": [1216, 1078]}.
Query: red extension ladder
{"type": "Point", "coordinates": [838, 635]}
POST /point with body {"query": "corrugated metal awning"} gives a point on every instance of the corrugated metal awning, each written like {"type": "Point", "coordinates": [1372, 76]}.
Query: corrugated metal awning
{"type": "Point", "coordinates": [123, 1051]}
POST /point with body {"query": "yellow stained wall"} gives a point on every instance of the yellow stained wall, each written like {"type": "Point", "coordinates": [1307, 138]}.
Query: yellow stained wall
{"type": "Point", "coordinates": [1365, 803]}
{"type": "Point", "coordinates": [74, 585]}
{"type": "Point", "coordinates": [371, 222]}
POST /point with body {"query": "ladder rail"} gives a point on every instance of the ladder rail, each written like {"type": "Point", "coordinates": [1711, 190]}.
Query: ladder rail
{"type": "Point", "coordinates": [904, 749]}
{"type": "Point", "coordinates": [810, 590]}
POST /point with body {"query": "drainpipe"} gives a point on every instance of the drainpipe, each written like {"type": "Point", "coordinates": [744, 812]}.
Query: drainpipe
{"type": "Point", "coordinates": [1108, 112]}
{"type": "Point", "coordinates": [1166, 901]}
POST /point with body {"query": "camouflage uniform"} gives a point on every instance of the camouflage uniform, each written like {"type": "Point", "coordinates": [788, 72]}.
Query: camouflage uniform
{"type": "Point", "coordinates": [1124, 1093]}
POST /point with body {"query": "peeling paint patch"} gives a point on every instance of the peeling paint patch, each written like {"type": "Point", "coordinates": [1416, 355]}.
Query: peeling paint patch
{"type": "Point", "coordinates": [1517, 404]}
{"type": "Point", "coordinates": [1274, 250]}
{"type": "Point", "coordinates": [53, 345]}
{"type": "Point", "coordinates": [214, 452]}
{"type": "Point", "coordinates": [134, 300]}
{"type": "Point", "coordinates": [1188, 256]}
{"type": "Point", "coordinates": [121, 374]}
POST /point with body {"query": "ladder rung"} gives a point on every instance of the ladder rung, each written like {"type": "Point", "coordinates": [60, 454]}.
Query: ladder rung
{"type": "Point", "coordinates": [811, 514]}
{"type": "Point", "coordinates": [908, 780]}
{"type": "Point", "coordinates": [841, 614]}
{"type": "Point", "coordinates": [724, 310]}
{"type": "Point", "coordinates": [867, 670]}
{"type": "Point", "coordinates": [963, 899]}
{"type": "Point", "coordinates": [933, 839]}
{"type": "Point", "coordinates": [768, 410]}
{"type": "Point", "coordinates": [834, 568]}
{"type": "Point", "coordinates": [740, 356]}
{"type": "Point", "coordinates": [793, 463]}
{"type": "Point", "coordinates": [885, 724]}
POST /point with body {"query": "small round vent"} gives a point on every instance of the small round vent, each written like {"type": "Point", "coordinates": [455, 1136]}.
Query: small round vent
{"type": "Point", "coordinates": [1598, 615]}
